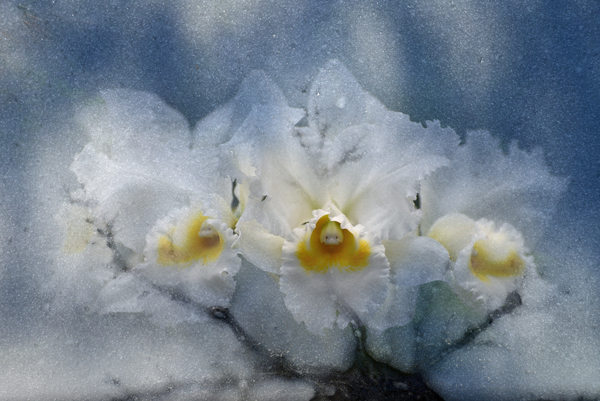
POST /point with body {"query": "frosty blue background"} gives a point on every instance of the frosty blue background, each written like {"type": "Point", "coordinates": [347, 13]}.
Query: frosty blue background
{"type": "Point", "coordinates": [524, 70]}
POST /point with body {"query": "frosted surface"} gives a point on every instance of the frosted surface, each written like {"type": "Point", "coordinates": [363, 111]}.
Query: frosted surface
{"type": "Point", "coordinates": [76, 322]}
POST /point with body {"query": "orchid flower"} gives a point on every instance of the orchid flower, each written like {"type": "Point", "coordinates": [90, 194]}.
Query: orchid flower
{"type": "Point", "coordinates": [489, 261]}
{"type": "Point", "coordinates": [488, 209]}
{"type": "Point", "coordinates": [165, 210]}
{"type": "Point", "coordinates": [325, 195]}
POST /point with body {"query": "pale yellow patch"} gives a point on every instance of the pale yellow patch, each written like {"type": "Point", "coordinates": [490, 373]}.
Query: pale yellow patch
{"type": "Point", "coordinates": [454, 232]}
{"type": "Point", "coordinates": [495, 256]}
{"type": "Point", "coordinates": [274, 277]}
{"type": "Point", "coordinates": [331, 246]}
{"type": "Point", "coordinates": [200, 241]}
{"type": "Point", "coordinates": [79, 229]}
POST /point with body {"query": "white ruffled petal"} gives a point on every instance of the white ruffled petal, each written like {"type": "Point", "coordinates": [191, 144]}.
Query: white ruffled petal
{"type": "Point", "coordinates": [127, 200]}
{"type": "Point", "coordinates": [310, 298]}
{"type": "Point", "coordinates": [258, 112]}
{"type": "Point", "coordinates": [336, 101]}
{"type": "Point", "coordinates": [364, 291]}
{"type": "Point", "coordinates": [134, 125]}
{"type": "Point", "coordinates": [484, 182]}
{"type": "Point", "coordinates": [490, 291]}
{"type": "Point", "coordinates": [142, 135]}
{"type": "Point", "coordinates": [265, 127]}
{"type": "Point", "coordinates": [139, 165]}
{"type": "Point", "coordinates": [384, 205]}
{"type": "Point", "coordinates": [383, 165]}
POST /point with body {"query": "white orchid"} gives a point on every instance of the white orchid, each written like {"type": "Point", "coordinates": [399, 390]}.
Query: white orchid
{"type": "Point", "coordinates": [324, 196]}
{"type": "Point", "coordinates": [489, 262]}
{"type": "Point", "coordinates": [161, 203]}
{"type": "Point", "coordinates": [488, 209]}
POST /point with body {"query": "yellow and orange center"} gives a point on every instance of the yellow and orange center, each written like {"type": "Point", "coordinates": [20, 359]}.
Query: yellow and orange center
{"type": "Point", "coordinates": [200, 241]}
{"type": "Point", "coordinates": [330, 245]}
{"type": "Point", "coordinates": [495, 257]}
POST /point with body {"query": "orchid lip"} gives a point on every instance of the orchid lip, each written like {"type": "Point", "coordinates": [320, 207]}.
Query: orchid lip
{"type": "Point", "coordinates": [329, 245]}
{"type": "Point", "coordinates": [201, 242]}
{"type": "Point", "coordinates": [495, 257]}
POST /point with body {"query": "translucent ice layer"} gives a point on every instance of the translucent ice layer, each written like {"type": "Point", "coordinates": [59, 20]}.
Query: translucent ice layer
{"type": "Point", "coordinates": [305, 230]}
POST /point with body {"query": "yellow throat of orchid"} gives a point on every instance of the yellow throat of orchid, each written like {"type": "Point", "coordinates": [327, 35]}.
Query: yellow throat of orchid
{"type": "Point", "coordinates": [330, 245]}
{"type": "Point", "coordinates": [495, 256]}
{"type": "Point", "coordinates": [197, 241]}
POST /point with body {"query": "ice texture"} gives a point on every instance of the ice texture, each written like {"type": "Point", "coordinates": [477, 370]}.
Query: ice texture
{"type": "Point", "coordinates": [70, 329]}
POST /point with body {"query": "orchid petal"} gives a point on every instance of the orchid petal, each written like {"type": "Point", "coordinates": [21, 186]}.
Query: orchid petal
{"type": "Point", "coordinates": [484, 182]}
{"type": "Point", "coordinates": [128, 201]}
{"type": "Point", "coordinates": [376, 171]}
{"type": "Point", "coordinates": [127, 294]}
{"type": "Point", "coordinates": [397, 310]}
{"type": "Point", "coordinates": [288, 188]}
{"type": "Point", "coordinates": [489, 291]}
{"type": "Point", "coordinates": [337, 101]}
{"type": "Point", "coordinates": [416, 260]}
{"type": "Point", "coordinates": [220, 125]}
{"type": "Point", "coordinates": [244, 153]}
{"type": "Point", "coordinates": [135, 125]}
{"type": "Point", "coordinates": [139, 164]}
{"type": "Point", "coordinates": [259, 247]}
{"type": "Point", "coordinates": [492, 263]}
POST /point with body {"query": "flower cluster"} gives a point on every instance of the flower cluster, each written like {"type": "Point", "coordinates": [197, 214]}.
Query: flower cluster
{"type": "Point", "coordinates": [348, 205]}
